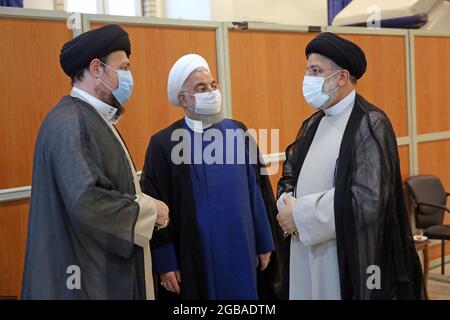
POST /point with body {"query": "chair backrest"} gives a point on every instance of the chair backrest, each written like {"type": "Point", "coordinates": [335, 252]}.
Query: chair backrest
{"type": "Point", "coordinates": [429, 189]}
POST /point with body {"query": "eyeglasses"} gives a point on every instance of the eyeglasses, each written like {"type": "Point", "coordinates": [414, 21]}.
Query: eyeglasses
{"type": "Point", "coordinates": [315, 71]}
{"type": "Point", "coordinates": [201, 89]}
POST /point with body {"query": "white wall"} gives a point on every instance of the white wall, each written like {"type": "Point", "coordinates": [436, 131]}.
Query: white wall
{"type": "Point", "coordinates": [188, 9]}
{"type": "Point", "coordinates": [222, 10]}
{"type": "Point", "coordinates": [39, 4]}
{"type": "Point", "coordinates": [298, 12]}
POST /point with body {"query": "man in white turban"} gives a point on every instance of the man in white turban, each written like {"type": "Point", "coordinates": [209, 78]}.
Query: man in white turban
{"type": "Point", "coordinates": [209, 111]}
{"type": "Point", "coordinates": [221, 211]}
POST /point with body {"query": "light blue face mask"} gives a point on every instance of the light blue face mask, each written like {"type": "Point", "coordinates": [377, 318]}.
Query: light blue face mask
{"type": "Point", "coordinates": [312, 90]}
{"type": "Point", "coordinates": [125, 87]}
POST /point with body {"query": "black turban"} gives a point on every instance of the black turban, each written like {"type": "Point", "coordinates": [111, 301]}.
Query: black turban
{"type": "Point", "coordinates": [344, 53]}
{"type": "Point", "coordinates": [78, 53]}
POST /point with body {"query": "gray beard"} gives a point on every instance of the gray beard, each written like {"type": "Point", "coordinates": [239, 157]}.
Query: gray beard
{"type": "Point", "coordinates": [209, 119]}
{"type": "Point", "coordinates": [331, 102]}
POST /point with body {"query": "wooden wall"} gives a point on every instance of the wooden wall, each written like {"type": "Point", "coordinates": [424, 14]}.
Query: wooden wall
{"type": "Point", "coordinates": [432, 75]}
{"type": "Point", "coordinates": [32, 82]}
{"type": "Point", "coordinates": [266, 71]}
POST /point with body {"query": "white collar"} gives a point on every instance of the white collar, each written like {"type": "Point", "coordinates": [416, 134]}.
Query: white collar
{"type": "Point", "coordinates": [196, 125]}
{"type": "Point", "coordinates": [106, 111]}
{"type": "Point", "coordinates": [339, 107]}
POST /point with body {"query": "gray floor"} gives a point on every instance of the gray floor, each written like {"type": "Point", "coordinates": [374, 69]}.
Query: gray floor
{"type": "Point", "coordinates": [438, 289]}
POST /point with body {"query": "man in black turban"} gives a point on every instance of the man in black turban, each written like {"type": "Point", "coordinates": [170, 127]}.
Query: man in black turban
{"type": "Point", "coordinates": [89, 222]}
{"type": "Point", "coordinates": [340, 198]}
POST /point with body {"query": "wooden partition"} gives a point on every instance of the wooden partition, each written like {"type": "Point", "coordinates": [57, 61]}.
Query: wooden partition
{"type": "Point", "coordinates": [434, 158]}
{"type": "Point", "coordinates": [432, 83]}
{"type": "Point", "coordinates": [432, 105]}
{"type": "Point", "coordinates": [261, 72]}
{"type": "Point", "coordinates": [32, 82]}
{"type": "Point", "coordinates": [403, 152]}
{"type": "Point", "coordinates": [13, 236]}
{"type": "Point", "coordinates": [431, 108]}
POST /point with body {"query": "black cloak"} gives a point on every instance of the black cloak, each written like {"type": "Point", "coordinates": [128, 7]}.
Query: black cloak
{"type": "Point", "coordinates": [82, 211]}
{"type": "Point", "coordinates": [372, 225]}
{"type": "Point", "coordinates": [171, 184]}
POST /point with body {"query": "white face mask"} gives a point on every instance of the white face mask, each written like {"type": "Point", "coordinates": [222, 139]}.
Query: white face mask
{"type": "Point", "coordinates": [207, 103]}
{"type": "Point", "coordinates": [312, 90]}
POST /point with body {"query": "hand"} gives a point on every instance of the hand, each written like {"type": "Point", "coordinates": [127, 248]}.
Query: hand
{"type": "Point", "coordinates": [162, 219]}
{"type": "Point", "coordinates": [263, 260]}
{"type": "Point", "coordinates": [289, 201]}
{"type": "Point", "coordinates": [285, 217]}
{"type": "Point", "coordinates": [170, 281]}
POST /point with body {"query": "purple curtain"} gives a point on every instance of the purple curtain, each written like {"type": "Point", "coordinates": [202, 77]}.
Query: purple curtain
{"type": "Point", "coordinates": [11, 3]}
{"type": "Point", "coordinates": [334, 7]}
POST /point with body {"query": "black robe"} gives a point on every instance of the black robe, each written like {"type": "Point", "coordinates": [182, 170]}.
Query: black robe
{"type": "Point", "coordinates": [82, 211]}
{"type": "Point", "coordinates": [372, 225]}
{"type": "Point", "coordinates": [172, 184]}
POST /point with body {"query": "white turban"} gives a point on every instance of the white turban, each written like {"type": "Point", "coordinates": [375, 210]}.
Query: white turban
{"type": "Point", "coordinates": [180, 71]}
